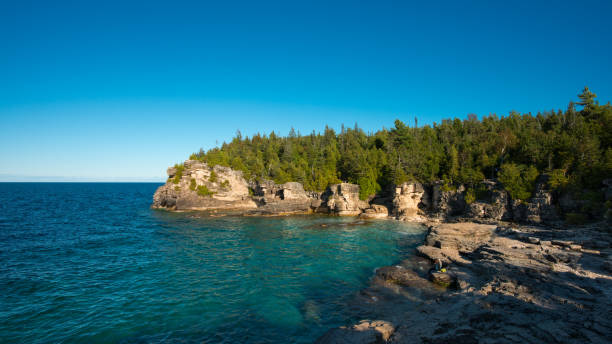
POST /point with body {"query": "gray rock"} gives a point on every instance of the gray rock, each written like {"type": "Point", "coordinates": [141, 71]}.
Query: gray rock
{"type": "Point", "coordinates": [365, 332]}
{"type": "Point", "coordinates": [399, 275]}
{"type": "Point", "coordinates": [443, 279]}
{"type": "Point", "coordinates": [448, 203]}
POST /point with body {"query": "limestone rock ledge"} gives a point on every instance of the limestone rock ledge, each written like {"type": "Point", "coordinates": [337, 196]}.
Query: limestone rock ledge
{"type": "Point", "coordinates": [501, 284]}
{"type": "Point", "coordinates": [198, 186]}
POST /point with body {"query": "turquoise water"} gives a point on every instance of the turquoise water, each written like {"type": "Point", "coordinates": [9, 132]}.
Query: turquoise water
{"type": "Point", "coordinates": [92, 263]}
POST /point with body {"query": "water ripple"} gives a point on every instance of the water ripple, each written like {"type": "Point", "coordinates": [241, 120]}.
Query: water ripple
{"type": "Point", "coordinates": [91, 263]}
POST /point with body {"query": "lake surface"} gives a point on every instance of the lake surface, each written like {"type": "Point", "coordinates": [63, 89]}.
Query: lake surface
{"type": "Point", "coordinates": [92, 263]}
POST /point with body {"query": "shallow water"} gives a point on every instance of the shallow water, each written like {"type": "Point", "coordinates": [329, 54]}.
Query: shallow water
{"type": "Point", "coordinates": [92, 263]}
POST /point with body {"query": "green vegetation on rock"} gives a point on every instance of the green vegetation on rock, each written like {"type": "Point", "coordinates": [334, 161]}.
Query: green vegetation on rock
{"type": "Point", "coordinates": [519, 180]}
{"type": "Point", "coordinates": [202, 190]}
{"type": "Point", "coordinates": [213, 176]}
{"type": "Point", "coordinates": [179, 173]}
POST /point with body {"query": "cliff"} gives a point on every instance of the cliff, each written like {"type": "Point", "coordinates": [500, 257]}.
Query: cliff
{"type": "Point", "coordinates": [195, 185]}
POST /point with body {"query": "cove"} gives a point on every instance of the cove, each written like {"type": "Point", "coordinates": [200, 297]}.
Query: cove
{"type": "Point", "coordinates": [93, 263]}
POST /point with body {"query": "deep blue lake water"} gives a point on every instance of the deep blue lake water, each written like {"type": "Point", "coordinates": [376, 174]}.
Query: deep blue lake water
{"type": "Point", "coordinates": [92, 263]}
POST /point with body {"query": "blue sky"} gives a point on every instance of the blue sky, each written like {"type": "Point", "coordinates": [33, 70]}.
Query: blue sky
{"type": "Point", "coordinates": [119, 90]}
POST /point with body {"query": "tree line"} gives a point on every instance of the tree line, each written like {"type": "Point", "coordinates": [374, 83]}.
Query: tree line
{"type": "Point", "coordinates": [574, 147]}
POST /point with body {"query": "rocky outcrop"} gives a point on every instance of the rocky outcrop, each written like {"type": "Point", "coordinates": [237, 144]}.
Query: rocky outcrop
{"type": "Point", "coordinates": [343, 199]}
{"type": "Point", "coordinates": [287, 198]}
{"type": "Point", "coordinates": [492, 203]}
{"type": "Point", "coordinates": [375, 211]}
{"type": "Point", "coordinates": [410, 201]}
{"type": "Point", "coordinates": [447, 201]}
{"type": "Point", "coordinates": [501, 285]}
{"type": "Point", "coordinates": [197, 186]}
{"type": "Point", "coordinates": [539, 208]}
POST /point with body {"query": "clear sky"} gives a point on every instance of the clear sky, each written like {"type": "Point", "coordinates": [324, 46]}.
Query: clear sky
{"type": "Point", "coordinates": [119, 90]}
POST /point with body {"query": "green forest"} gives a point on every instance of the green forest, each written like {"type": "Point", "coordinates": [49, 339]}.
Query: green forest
{"type": "Point", "coordinates": [574, 147]}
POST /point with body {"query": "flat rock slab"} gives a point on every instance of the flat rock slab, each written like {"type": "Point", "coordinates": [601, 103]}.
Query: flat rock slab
{"type": "Point", "coordinates": [365, 332]}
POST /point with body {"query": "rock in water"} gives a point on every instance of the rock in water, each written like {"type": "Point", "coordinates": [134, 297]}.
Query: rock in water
{"type": "Point", "coordinates": [197, 186]}
{"type": "Point", "coordinates": [375, 211]}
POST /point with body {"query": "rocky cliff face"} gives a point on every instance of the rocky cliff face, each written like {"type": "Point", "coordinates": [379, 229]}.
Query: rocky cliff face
{"type": "Point", "coordinates": [493, 205]}
{"type": "Point", "coordinates": [198, 186]}
{"type": "Point", "coordinates": [447, 203]}
{"type": "Point", "coordinates": [343, 199]}
{"type": "Point", "coordinates": [410, 202]}
{"type": "Point", "coordinates": [287, 198]}
{"type": "Point", "coordinates": [538, 209]}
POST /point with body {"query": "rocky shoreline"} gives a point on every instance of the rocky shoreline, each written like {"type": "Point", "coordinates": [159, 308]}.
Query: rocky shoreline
{"type": "Point", "coordinates": [194, 185]}
{"type": "Point", "coordinates": [503, 283]}
{"type": "Point", "coordinates": [540, 281]}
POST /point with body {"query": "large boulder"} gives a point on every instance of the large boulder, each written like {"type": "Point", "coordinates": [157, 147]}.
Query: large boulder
{"type": "Point", "coordinates": [409, 202]}
{"type": "Point", "coordinates": [343, 199]}
{"type": "Point", "coordinates": [375, 211]}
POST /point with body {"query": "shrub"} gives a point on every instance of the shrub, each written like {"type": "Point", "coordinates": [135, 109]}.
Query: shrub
{"type": "Point", "coordinates": [213, 177]}
{"type": "Point", "coordinates": [470, 196]}
{"type": "Point", "coordinates": [557, 179]}
{"type": "Point", "coordinates": [192, 185]}
{"type": "Point", "coordinates": [518, 180]}
{"type": "Point", "coordinates": [448, 186]}
{"type": "Point", "coordinates": [367, 187]}
{"type": "Point", "coordinates": [203, 191]}
{"type": "Point", "coordinates": [225, 184]}
{"type": "Point", "coordinates": [179, 173]}
{"type": "Point", "coordinates": [177, 188]}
